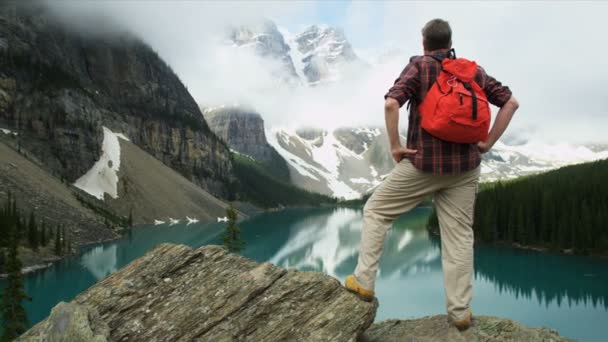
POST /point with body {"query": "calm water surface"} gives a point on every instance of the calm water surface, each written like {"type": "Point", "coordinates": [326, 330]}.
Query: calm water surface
{"type": "Point", "coordinates": [566, 293]}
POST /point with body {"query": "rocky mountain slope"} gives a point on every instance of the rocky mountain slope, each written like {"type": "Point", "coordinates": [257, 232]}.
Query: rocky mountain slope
{"type": "Point", "coordinates": [349, 162]}
{"type": "Point", "coordinates": [150, 190]}
{"type": "Point", "coordinates": [344, 163]}
{"type": "Point", "coordinates": [322, 53]}
{"type": "Point", "coordinates": [318, 55]}
{"type": "Point", "coordinates": [58, 87]}
{"type": "Point", "coordinates": [52, 200]}
{"type": "Point", "coordinates": [243, 130]}
{"type": "Point", "coordinates": [266, 41]}
{"type": "Point", "coordinates": [176, 293]}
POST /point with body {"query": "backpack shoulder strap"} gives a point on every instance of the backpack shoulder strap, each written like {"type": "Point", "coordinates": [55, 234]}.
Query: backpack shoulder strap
{"type": "Point", "coordinates": [451, 55]}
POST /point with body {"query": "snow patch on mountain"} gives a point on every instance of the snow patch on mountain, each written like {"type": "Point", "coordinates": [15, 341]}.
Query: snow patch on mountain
{"type": "Point", "coordinates": [352, 159]}
{"type": "Point", "coordinates": [509, 161]}
{"type": "Point", "coordinates": [325, 152]}
{"type": "Point", "coordinates": [102, 178]}
{"type": "Point", "coordinates": [296, 162]}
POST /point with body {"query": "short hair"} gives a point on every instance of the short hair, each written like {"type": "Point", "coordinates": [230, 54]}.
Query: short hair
{"type": "Point", "coordinates": [436, 34]}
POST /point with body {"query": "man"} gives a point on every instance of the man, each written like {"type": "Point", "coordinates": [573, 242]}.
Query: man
{"type": "Point", "coordinates": [430, 166]}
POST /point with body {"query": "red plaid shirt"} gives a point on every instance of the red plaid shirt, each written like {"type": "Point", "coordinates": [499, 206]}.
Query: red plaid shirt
{"type": "Point", "coordinates": [434, 155]}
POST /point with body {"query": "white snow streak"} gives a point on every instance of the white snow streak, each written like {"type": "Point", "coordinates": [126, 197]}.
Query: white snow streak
{"type": "Point", "coordinates": [102, 178]}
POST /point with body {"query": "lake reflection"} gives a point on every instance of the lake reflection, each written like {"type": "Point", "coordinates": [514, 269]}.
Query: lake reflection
{"type": "Point", "coordinates": [566, 293]}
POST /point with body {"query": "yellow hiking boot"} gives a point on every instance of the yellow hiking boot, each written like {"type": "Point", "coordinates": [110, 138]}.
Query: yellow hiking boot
{"type": "Point", "coordinates": [464, 324]}
{"type": "Point", "coordinates": [350, 283]}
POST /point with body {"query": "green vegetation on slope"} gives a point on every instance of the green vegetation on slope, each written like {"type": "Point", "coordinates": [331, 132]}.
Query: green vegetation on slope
{"type": "Point", "coordinates": [562, 209]}
{"type": "Point", "coordinates": [30, 233]}
{"type": "Point", "coordinates": [257, 185]}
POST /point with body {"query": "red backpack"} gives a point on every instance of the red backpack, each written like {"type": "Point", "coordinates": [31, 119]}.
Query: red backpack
{"type": "Point", "coordinates": [456, 109]}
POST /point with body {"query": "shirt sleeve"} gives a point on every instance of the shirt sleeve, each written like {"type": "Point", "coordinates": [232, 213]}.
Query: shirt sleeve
{"type": "Point", "coordinates": [406, 85]}
{"type": "Point", "coordinates": [496, 93]}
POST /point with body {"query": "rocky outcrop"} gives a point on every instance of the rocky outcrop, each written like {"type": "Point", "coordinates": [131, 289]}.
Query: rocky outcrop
{"type": "Point", "coordinates": [176, 293]}
{"type": "Point", "coordinates": [437, 329]}
{"type": "Point", "coordinates": [243, 130]}
{"type": "Point", "coordinates": [59, 87]}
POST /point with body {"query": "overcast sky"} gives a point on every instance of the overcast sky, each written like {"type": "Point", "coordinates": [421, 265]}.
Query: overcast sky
{"type": "Point", "coordinates": [551, 54]}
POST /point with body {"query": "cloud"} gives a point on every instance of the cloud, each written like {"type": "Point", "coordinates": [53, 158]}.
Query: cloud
{"type": "Point", "coordinates": [550, 55]}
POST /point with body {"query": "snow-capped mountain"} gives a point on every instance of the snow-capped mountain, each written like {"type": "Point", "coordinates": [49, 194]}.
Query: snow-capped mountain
{"type": "Point", "coordinates": [512, 161]}
{"type": "Point", "coordinates": [317, 55]}
{"type": "Point", "coordinates": [345, 162]}
{"type": "Point", "coordinates": [266, 41]}
{"type": "Point", "coordinates": [321, 54]}
{"type": "Point", "coordinates": [348, 162]}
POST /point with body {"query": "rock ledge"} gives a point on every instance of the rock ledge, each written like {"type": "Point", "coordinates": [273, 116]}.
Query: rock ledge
{"type": "Point", "coordinates": [175, 293]}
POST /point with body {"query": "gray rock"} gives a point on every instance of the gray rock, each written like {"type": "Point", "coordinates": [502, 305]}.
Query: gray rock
{"type": "Point", "coordinates": [243, 130]}
{"type": "Point", "coordinates": [69, 322]}
{"type": "Point", "coordinates": [59, 86]}
{"type": "Point", "coordinates": [437, 329]}
{"type": "Point", "coordinates": [176, 293]}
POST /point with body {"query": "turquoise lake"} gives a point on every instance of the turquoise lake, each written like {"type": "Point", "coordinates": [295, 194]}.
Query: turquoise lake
{"type": "Point", "coordinates": [565, 293]}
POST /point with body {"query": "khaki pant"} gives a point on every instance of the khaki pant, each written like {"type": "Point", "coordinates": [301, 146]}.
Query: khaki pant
{"type": "Point", "coordinates": [403, 189]}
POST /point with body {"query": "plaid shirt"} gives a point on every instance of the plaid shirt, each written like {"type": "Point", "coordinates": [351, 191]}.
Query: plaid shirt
{"type": "Point", "coordinates": [434, 155]}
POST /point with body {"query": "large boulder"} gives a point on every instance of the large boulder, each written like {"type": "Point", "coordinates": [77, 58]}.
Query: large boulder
{"type": "Point", "coordinates": [176, 293]}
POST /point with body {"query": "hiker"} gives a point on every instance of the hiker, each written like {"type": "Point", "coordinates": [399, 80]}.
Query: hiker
{"type": "Point", "coordinates": [447, 168]}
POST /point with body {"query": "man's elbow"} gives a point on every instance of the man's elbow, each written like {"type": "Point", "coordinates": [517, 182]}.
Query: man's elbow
{"type": "Point", "coordinates": [391, 105]}
{"type": "Point", "coordinates": [513, 103]}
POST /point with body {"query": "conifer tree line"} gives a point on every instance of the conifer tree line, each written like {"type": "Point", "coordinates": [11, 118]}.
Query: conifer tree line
{"type": "Point", "coordinates": [12, 313]}
{"type": "Point", "coordinates": [561, 209]}
{"type": "Point", "coordinates": [29, 231]}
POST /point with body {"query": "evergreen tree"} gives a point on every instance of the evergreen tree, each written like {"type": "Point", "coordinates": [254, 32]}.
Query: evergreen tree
{"type": "Point", "coordinates": [32, 232]}
{"type": "Point", "coordinates": [64, 240]}
{"type": "Point", "coordinates": [130, 221]}
{"type": "Point", "coordinates": [561, 209]}
{"type": "Point", "coordinates": [57, 242]}
{"type": "Point", "coordinates": [43, 235]}
{"type": "Point", "coordinates": [2, 261]}
{"type": "Point", "coordinates": [232, 235]}
{"type": "Point", "coordinates": [14, 318]}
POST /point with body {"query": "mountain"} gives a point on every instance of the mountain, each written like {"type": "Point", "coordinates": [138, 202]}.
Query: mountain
{"type": "Point", "coordinates": [321, 53]}
{"type": "Point", "coordinates": [348, 162]}
{"type": "Point", "coordinates": [53, 201]}
{"type": "Point", "coordinates": [344, 163]}
{"type": "Point", "coordinates": [243, 130]}
{"type": "Point", "coordinates": [95, 128]}
{"type": "Point", "coordinates": [59, 87]}
{"type": "Point", "coordinates": [317, 55]}
{"type": "Point", "coordinates": [512, 161]}
{"type": "Point", "coordinates": [266, 41]}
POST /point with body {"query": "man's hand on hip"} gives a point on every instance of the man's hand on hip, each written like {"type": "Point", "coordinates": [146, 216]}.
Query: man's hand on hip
{"type": "Point", "coordinates": [400, 152]}
{"type": "Point", "coordinates": [483, 146]}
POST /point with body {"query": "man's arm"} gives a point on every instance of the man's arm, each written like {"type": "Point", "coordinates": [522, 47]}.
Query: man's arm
{"type": "Point", "coordinates": [391, 115]}
{"type": "Point", "coordinates": [404, 89]}
{"type": "Point", "coordinates": [500, 124]}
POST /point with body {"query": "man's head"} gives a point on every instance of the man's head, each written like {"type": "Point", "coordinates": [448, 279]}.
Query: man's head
{"type": "Point", "coordinates": [436, 34]}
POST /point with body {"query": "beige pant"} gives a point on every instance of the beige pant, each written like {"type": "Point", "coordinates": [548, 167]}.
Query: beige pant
{"type": "Point", "coordinates": [403, 189]}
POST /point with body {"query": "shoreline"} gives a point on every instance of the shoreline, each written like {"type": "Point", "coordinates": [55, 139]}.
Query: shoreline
{"type": "Point", "coordinates": [534, 248]}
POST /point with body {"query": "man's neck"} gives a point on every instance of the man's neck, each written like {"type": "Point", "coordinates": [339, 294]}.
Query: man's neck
{"type": "Point", "coordinates": [427, 52]}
